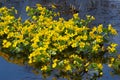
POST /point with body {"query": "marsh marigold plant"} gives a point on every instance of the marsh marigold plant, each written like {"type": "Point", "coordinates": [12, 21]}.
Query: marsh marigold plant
{"type": "Point", "coordinates": [52, 42]}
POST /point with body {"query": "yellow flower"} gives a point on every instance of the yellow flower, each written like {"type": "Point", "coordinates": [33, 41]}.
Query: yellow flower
{"type": "Point", "coordinates": [99, 38]}
{"type": "Point", "coordinates": [84, 37]}
{"type": "Point", "coordinates": [53, 6]}
{"type": "Point", "coordinates": [101, 73]}
{"type": "Point", "coordinates": [30, 61]}
{"type": "Point", "coordinates": [16, 11]}
{"type": "Point", "coordinates": [58, 13]}
{"type": "Point", "coordinates": [68, 67]}
{"type": "Point", "coordinates": [92, 17]}
{"type": "Point", "coordinates": [54, 65]}
{"type": "Point", "coordinates": [76, 15]}
{"type": "Point", "coordinates": [6, 30]}
{"type": "Point", "coordinates": [61, 48]}
{"type": "Point", "coordinates": [4, 41]}
{"type": "Point", "coordinates": [109, 27]}
{"type": "Point", "coordinates": [103, 48]}
{"type": "Point", "coordinates": [87, 64]}
{"type": "Point", "coordinates": [34, 45]}
{"type": "Point", "coordinates": [111, 49]}
{"type": "Point", "coordinates": [109, 65]}
{"type": "Point", "coordinates": [92, 35]}
{"type": "Point", "coordinates": [11, 34]}
{"type": "Point", "coordinates": [38, 5]}
{"type": "Point", "coordinates": [82, 44]}
{"type": "Point", "coordinates": [94, 29]}
{"type": "Point", "coordinates": [15, 43]}
{"type": "Point", "coordinates": [74, 45]}
{"type": "Point", "coordinates": [78, 38]}
{"type": "Point", "coordinates": [6, 44]}
{"type": "Point", "coordinates": [112, 59]}
{"type": "Point", "coordinates": [86, 69]}
{"type": "Point", "coordinates": [75, 62]}
{"type": "Point", "coordinates": [88, 16]}
{"type": "Point", "coordinates": [100, 66]}
{"type": "Point", "coordinates": [66, 61]}
{"type": "Point", "coordinates": [114, 32]}
{"type": "Point", "coordinates": [95, 47]}
{"type": "Point", "coordinates": [44, 68]}
{"type": "Point", "coordinates": [114, 45]}
{"type": "Point", "coordinates": [34, 17]}
{"type": "Point", "coordinates": [27, 8]}
{"type": "Point", "coordinates": [99, 29]}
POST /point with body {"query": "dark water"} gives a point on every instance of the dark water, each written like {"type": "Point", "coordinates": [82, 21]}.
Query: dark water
{"type": "Point", "coordinates": [105, 12]}
{"type": "Point", "coordinates": [11, 71]}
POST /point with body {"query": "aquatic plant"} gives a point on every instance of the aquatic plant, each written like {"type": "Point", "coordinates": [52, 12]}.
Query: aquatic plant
{"type": "Point", "coordinates": [50, 42]}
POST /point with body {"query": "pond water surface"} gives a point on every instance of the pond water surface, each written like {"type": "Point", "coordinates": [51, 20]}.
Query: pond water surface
{"type": "Point", "coordinates": [11, 71]}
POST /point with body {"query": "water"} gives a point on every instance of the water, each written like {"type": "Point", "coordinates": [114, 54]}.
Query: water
{"type": "Point", "coordinates": [11, 71]}
{"type": "Point", "coordinates": [106, 11]}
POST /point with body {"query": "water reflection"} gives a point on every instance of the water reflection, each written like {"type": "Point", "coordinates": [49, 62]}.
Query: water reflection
{"type": "Point", "coordinates": [14, 69]}
{"type": "Point", "coordinates": [10, 71]}
{"type": "Point", "coordinates": [32, 72]}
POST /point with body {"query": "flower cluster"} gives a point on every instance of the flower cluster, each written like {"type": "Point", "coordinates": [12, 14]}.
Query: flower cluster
{"type": "Point", "coordinates": [52, 43]}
